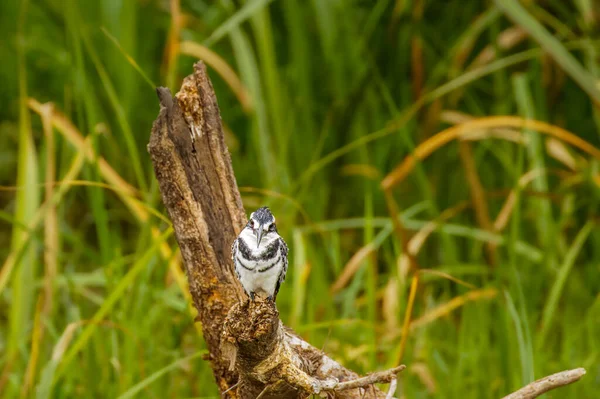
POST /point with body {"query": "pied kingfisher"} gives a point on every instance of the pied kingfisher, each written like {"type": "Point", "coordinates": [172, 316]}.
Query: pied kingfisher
{"type": "Point", "coordinates": [260, 255]}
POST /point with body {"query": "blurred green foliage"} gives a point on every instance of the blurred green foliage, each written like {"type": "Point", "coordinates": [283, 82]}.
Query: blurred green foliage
{"type": "Point", "coordinates": [334, 95]}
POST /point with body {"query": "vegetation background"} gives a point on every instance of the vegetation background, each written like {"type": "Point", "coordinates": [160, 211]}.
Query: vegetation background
{"type": "Point", "coordinates": [488, 280]}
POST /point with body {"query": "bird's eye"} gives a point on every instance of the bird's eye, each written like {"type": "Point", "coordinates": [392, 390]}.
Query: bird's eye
{"type": "Point", "coordinates": [272, 227]}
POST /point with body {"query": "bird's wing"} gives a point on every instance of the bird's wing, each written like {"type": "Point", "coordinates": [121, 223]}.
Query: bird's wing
{"type": "Point", "coordinates": [284, 258]}
{"type": "Point", "coordinates": [233, 252]}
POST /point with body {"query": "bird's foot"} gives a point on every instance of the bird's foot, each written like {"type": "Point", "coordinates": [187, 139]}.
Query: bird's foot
{"type": "Point", "coordinates": [270, 298]}
{"type": "Point", "coordinates": [252, 296]}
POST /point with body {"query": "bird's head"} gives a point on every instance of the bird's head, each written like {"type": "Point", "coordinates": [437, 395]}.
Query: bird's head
{"type": "Point", "coordinates": [262, 223]}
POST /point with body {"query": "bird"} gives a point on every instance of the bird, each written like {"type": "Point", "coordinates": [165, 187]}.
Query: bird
{"type": "Point", "coordinates": [260, 256]}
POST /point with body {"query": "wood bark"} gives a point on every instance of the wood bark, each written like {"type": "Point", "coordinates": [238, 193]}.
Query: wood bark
{"type": "Point", "coordinates": [251, 353]}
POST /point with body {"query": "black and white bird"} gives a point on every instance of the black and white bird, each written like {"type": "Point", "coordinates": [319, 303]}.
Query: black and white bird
{"type": "Point", "coordinates": [260, 256]}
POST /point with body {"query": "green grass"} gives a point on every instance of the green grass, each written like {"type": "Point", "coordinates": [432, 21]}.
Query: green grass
{"type": "Point", "coordinates": [341, 92]}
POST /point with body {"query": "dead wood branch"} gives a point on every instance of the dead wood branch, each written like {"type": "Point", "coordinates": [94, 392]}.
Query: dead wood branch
{"type": "Point", "coordinates": [378, 377]}
{"type": "Point", "coordinates": [548, 383]}
{"type": "Point", "coordinates": [247, 342]}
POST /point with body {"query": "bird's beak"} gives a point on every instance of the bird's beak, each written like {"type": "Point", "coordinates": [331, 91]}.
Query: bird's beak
{"type": "Point", "coordinates": [259, 234]}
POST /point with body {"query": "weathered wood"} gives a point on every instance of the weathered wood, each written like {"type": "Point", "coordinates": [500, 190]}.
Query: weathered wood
{"type": "Point", "coordinates": [200, 194]}
{"type": "Point", "coordinates": [548, 383]}
{"type": "Point", "coordinates": [247, 341]}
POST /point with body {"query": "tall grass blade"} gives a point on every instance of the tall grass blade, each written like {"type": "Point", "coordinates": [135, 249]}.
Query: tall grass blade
{"type": "Point", "coordinates": [551, 305]}
{"type": "Point", "coordinates": [129, 58]}
{"type": "Point", "coordinates": [249, 9]}
{"type": "Point", "coordinates": [132, 145]}
{"type": "Point", "coordinates": [137, 388]}
{"type": "Point", "coordinates": [111, 300]}
{"type": "Point", "coordinates": [26, 203]}
{"type": "Point", "coordinates": [515, 11]}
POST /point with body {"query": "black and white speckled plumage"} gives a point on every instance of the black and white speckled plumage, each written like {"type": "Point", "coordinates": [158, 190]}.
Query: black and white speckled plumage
{"type": "Point", "coordinates": [260, 255]}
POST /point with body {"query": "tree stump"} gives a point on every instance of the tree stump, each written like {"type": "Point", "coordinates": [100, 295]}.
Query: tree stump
{"type": "Point", "coordinates": [251, 353]}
